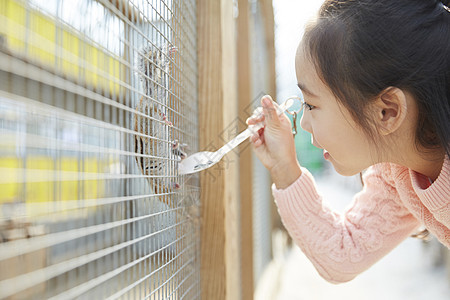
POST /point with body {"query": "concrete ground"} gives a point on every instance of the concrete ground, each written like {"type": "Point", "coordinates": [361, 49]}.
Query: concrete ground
{"type": "Point", "coordinates": [406, 273]}
{"type": "Point", "coordinates": [412, 271]}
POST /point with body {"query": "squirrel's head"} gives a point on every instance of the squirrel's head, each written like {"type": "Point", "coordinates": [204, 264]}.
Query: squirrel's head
{"type": "Point", "coordinates": [155, 62]}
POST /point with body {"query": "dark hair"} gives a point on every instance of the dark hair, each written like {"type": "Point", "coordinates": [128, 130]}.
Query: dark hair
{"type": "Point", "coordinates": [362, 47]}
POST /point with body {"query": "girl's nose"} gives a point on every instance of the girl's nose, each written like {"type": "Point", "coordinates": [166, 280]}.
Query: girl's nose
{"type": "Point", "coordinates": [304, 122]}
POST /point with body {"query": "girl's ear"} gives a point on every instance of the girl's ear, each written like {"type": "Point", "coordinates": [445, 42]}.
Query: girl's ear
{"type": "Point", "coordinates": [390, 110]}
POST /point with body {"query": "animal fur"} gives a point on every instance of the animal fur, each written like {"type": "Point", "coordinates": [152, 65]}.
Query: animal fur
{"type": "Point", "coordinates": [154, 66]}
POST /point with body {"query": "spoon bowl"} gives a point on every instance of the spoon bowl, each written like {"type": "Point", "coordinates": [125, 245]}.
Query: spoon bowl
{"type": "Point", "coordinates": [198, 162]}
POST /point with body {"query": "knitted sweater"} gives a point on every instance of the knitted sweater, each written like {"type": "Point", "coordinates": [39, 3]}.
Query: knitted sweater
{"type": "Point", "coordinates": [394, 202]}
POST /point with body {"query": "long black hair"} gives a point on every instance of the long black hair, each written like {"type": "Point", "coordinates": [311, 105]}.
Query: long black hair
{"type": "Point", "coordinates": [361, 47]}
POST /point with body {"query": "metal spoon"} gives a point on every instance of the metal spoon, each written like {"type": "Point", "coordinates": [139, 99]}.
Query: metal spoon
{"type": "Point", "coordinates": [203, 160]}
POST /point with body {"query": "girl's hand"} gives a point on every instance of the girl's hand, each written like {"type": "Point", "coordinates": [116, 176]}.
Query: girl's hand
{"type": "Point", "coordinates": [274, 144]}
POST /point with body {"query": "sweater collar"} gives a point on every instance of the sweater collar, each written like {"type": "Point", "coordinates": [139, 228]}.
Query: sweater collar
{"type": "Point", "coordinates": [436, 194]}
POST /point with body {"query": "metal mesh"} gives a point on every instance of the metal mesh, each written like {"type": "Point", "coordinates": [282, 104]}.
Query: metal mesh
{"type": "Point", "coordinates": [97, 106]}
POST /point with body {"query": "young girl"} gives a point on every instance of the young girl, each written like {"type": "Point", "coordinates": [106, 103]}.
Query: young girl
{"type": "Point", "coordinates": [375, 76]}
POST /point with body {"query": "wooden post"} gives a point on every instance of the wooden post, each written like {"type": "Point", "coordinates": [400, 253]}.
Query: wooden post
{"type": "Point", "coordinates": [220, 253]}
{"type": "Point", "coordinates": [269, 28]}
{"type": "Point", "coordinates": [245, 153]}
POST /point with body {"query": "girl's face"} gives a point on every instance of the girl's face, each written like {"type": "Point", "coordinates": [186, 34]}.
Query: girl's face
{"type": "Point", "coordinates": [331, 126]}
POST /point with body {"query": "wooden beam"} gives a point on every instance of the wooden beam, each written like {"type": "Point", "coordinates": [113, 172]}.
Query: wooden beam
{"type": "Point", "coordinates": [220, 259]}
{"type": "Point", "coordinates": [245, 151]}
{"type": "Point", "coordinates": [269, 28]}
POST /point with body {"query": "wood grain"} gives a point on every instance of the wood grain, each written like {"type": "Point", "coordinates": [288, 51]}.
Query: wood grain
{"type": "Point", "coordinates": [245, 151]}
{"type": "Point", "coordinates": [220, 254]}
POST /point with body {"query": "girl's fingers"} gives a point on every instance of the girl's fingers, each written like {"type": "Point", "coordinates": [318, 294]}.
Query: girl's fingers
{"type": "Point", "coordinates": [270, 111]}
{"type": "Point", "coordinates": [256, 117]}
{"type": "Point", "coordinates": [261, 135]}
{"type": "Point", "coordinates": [257, 139]}
{"type": "Point", "coordinates": [255, 120]}
{"type": "Point", "coordinates": [254, 139]}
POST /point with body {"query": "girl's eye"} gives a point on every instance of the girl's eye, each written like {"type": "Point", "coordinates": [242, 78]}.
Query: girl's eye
{"type": "Point", "coordinates": [309, 106]}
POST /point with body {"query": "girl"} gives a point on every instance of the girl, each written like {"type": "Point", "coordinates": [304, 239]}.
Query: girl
{"type": "Point", "coordinates": [375, 76]}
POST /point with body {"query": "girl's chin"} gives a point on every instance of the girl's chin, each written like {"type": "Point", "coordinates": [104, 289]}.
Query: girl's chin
{"type": "Point", "coordinates": [344, 170]}
{"type": "Point", "coordinates": [347, 172]}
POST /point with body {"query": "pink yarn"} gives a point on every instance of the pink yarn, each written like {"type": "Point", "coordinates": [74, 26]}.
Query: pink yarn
{"type": "Point", "coordinates": [395, 201]}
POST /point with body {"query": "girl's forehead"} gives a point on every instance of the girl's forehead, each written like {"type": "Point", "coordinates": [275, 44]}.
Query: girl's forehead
{"type": "Point", "coordinates": [299, 52]}
{"type": "Point", "coordinates": [308, 79]}
{"type": "Point", "coordinates": [304, 67]}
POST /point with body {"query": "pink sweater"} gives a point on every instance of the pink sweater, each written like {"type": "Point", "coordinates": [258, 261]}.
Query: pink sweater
{"type": "Point", "coordinates": [394, 202]}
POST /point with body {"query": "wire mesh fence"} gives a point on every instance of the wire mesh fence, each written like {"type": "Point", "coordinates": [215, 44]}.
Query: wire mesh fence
{"type": "Point", "coordinates": [97, 106]}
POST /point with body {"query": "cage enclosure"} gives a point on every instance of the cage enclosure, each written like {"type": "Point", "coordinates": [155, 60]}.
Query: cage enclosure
{"type": "Point", "coordinates": [97, 100]}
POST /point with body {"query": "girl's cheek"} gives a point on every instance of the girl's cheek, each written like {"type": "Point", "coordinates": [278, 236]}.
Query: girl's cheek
{"type": "Point", "coordinates": [305, 124]}
{"type": "Point", "coordinates": [321, 136]}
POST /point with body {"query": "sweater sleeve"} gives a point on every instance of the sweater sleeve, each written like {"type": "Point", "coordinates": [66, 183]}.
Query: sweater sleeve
{"type": "Point", "coordinates": [341, 246]}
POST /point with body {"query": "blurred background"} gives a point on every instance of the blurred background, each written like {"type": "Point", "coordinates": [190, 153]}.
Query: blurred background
{"type": "Point", "coordinates": [415, 270]}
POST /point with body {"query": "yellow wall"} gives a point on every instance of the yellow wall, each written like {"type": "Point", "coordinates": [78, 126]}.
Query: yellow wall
{"type": "Point", "coordinates": [36, 37]}
{"type": "Point", "coordinates": [44, 180]}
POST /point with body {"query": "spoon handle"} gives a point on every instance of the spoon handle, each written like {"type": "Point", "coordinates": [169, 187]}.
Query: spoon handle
{"type": "Point", "coordinates": [238, 139]}
{"type": "Point", "coordinates": [248, 132]}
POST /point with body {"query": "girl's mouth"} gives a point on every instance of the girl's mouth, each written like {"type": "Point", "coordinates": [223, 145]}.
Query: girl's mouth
{"type": "Point", "coordinates": [326, 155]}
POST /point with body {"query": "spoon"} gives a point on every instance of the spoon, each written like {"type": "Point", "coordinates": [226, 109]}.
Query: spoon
{"type": "Point", "coordinates": [203, 160]}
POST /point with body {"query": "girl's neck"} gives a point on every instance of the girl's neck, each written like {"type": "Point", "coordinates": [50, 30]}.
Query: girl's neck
{"type": "Point", "coordinates": [426, 163]}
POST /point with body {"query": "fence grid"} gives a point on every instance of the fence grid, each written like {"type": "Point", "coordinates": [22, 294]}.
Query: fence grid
{"type": "Point", "coordinates": [98, 103]}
